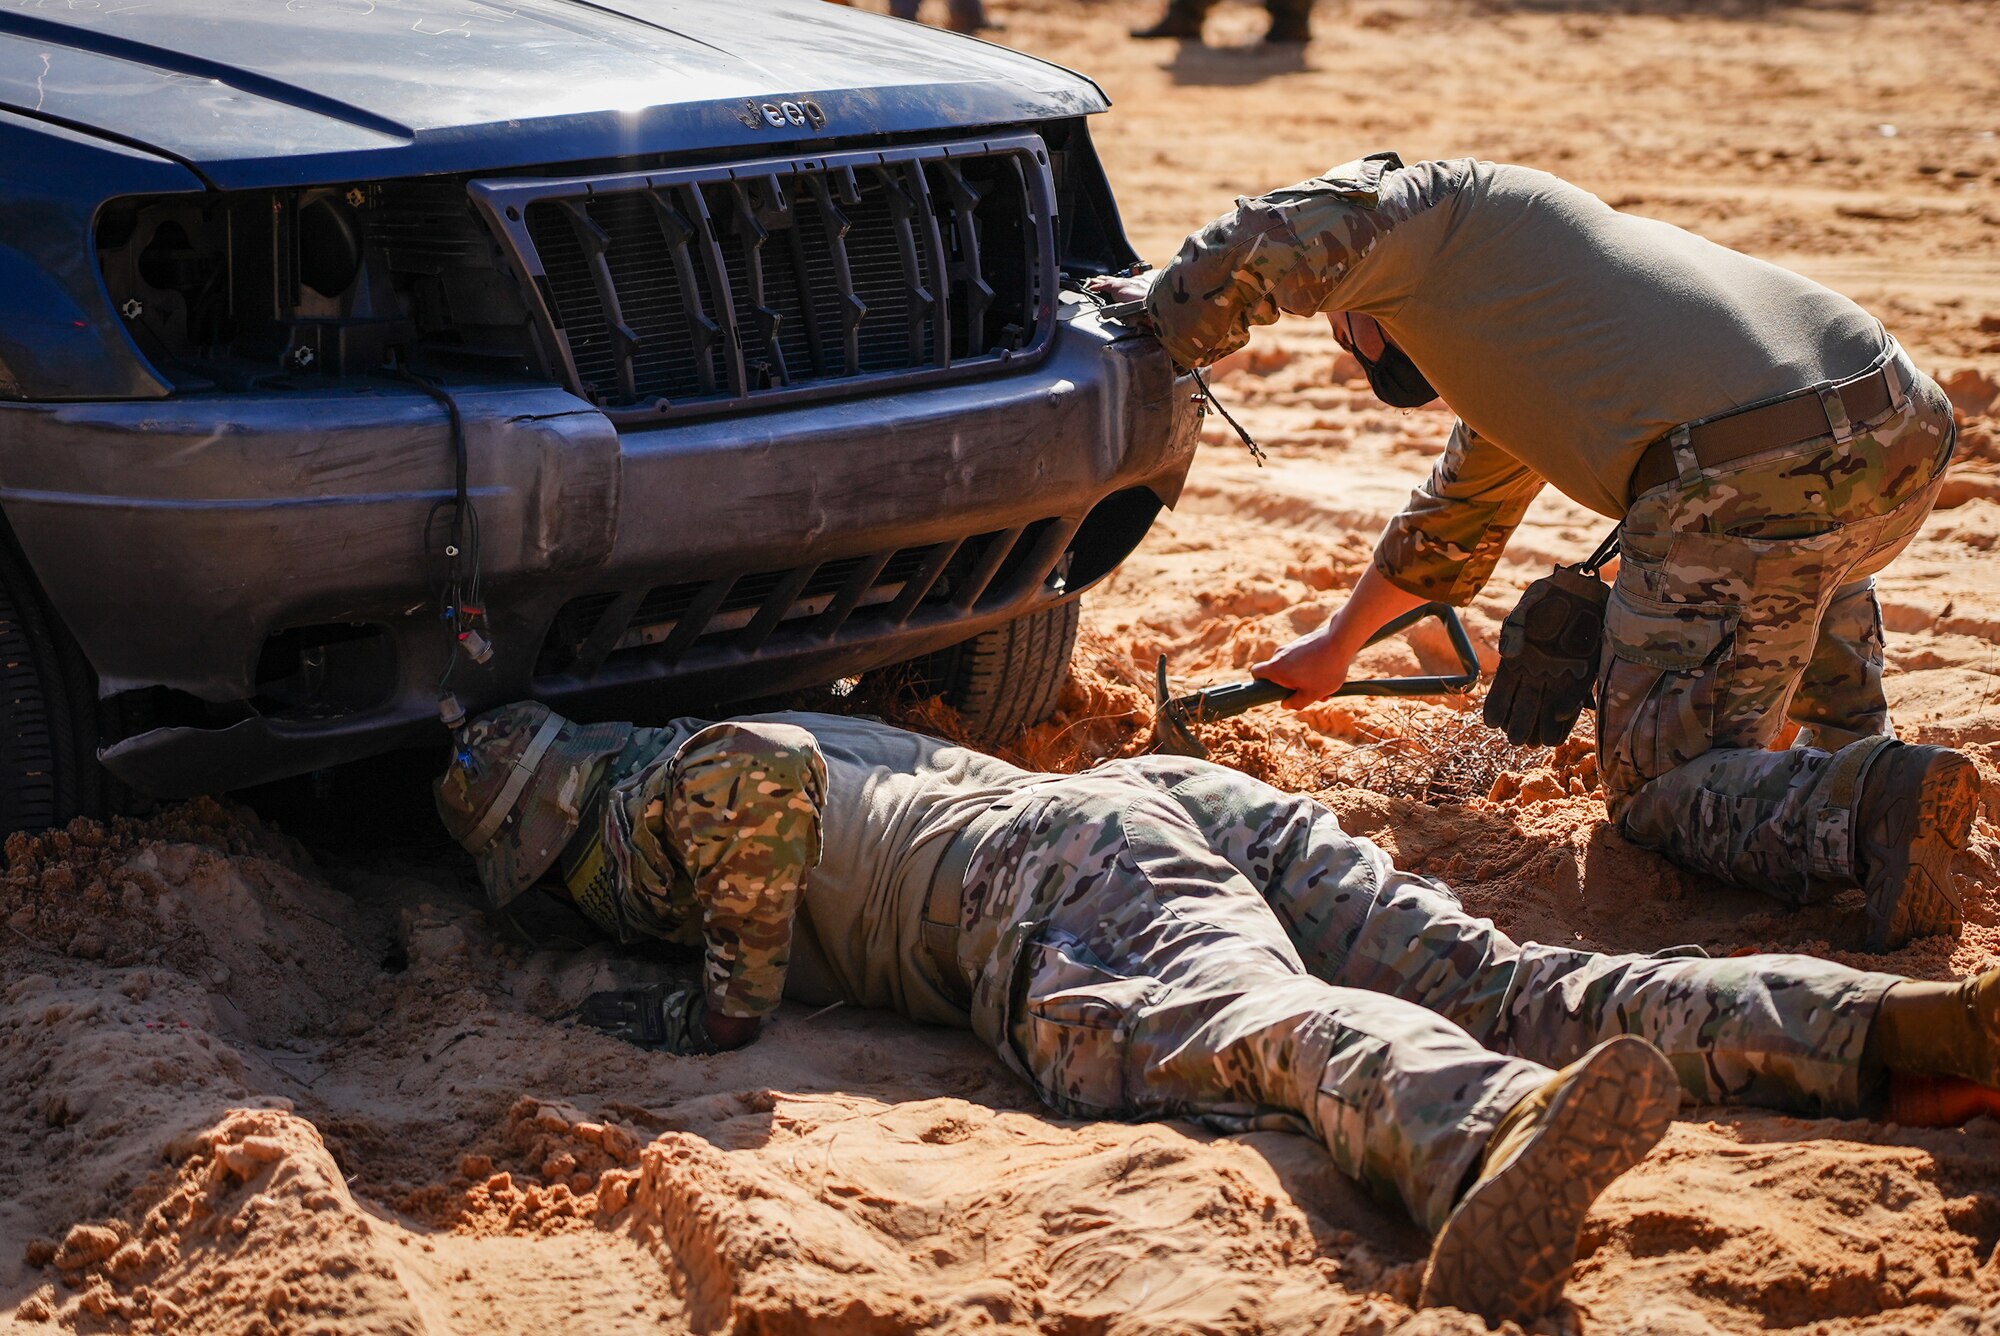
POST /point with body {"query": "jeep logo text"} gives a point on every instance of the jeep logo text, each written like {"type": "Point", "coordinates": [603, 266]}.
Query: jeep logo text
{"type": "Point", "coordinates": [778, 115]}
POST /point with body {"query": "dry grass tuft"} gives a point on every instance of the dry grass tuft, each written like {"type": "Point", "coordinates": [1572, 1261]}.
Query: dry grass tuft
{"type": "Point", "coordinates": [1435, 756]}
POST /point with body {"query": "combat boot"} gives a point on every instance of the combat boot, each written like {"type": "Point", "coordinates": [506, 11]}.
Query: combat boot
{"type": "Point", "coordinates": [1940, 1101]}
{"type": "Point", "coordinates": [969, 16]}
{"type": "Point", "coordinates": [1939, 1029]}
{"type": "Point", "coordinates": [1913, 815]}
{"type": "Point", "coordinates": [1291, 23]}
{"type": "Point", "coordinates": [1507, 1249]}
{"type": "Point", "coordinates": [1182, 21]}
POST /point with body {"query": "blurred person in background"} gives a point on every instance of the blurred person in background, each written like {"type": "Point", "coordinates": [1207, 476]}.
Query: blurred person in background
{"type": "Point", "coordinates": [966, 16]}
{"type": "Point", "coordinates": [1291, 22]}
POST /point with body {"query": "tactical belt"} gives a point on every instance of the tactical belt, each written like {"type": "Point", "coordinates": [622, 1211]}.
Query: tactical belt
{"type": "Point", "coordinates": [1835, 409]}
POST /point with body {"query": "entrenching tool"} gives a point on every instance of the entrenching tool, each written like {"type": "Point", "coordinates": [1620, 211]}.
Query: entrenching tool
{"type": "Point", "coordinates": [1175, 716]}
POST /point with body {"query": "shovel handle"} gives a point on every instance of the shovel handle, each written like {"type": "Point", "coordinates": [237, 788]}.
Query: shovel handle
{"type": "Point", "coordinates": [1232, 700]}
{"type": "Point", "coordinates": [1464, 679]}
{"type": "Point", "coordinates": [1228, 701]}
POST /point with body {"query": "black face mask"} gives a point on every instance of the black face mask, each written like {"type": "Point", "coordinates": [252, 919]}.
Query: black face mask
{"type": "Point", "coordinates": [1395, 378]}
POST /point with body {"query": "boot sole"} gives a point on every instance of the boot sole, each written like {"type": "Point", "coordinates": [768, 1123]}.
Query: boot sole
{"type": "Point", "coordinates": [1507, 1249]}
{"type": "Point", "coordinates": [1912, 895]}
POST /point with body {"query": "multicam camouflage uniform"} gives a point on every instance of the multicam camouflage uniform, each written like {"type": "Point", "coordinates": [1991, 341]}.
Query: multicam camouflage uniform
{"type": "Point", "coordinates": [1171, 938]}
{"type": "Point", "coordinates": [1745, 595]}
{"type": "Point", "coordinates": [1570, 338]}
{"type": "Point", "coordinates": [1164, 937]}
{"type": "Point", "coordinates": [706, 843]}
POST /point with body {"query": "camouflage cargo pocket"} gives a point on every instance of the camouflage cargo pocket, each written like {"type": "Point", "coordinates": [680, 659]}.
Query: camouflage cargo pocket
{"type": "Point", "coordinates": [1073, 1030]}
{"type": "Point", "coordinates": [1656, 692]}
{"type": "Point", "coordinates": [1349, 1086]}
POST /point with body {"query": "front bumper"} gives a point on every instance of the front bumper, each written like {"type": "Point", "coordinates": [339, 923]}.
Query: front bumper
{"type": "Point", "coordinates": [175, 538]}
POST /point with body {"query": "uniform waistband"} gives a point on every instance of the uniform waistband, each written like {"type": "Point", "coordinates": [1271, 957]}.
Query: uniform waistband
{"type": "Point", "coordinates": [944, 906]}
{"type": "Point", "coordinates": [1834, 408]}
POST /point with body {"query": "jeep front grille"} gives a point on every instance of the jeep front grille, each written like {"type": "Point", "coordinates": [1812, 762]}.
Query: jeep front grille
{"type": "Point", "coordinates": [705, 289]}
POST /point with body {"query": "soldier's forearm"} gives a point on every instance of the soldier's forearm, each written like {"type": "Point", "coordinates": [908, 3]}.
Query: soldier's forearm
{"type": "Point", "coordinates": [744, 812]}
{"type": "Point", "coordinates": [1374, 603]}
{"type": "Point", "coordinates": [1445, 543]}
{"type": "Point", "coordinates": [1243, 269]}
{"type": "Point", "coordinates": [1428, 570]}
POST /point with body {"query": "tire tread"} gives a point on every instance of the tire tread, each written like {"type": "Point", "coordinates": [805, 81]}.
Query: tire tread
{"type": "Point", "coordinates": [1006, 680]}
{"type": "Point", "coordinates": [34, 728]}
{"type": "Point", "coordinates": [49, 715]}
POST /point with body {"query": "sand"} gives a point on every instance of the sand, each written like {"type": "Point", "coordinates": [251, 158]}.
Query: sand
{"type": "Point", "coordinates": [250, 1087]}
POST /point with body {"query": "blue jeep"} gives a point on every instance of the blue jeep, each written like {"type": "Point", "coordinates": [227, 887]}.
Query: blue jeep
{"type": "Point", "coordinates": [366, 359]}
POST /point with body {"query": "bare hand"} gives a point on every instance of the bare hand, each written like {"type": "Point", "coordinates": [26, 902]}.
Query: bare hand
{"type": "Point", "coordinates": [1117, 288]}
{"type": "Point", "coordinates": [1314, 666]}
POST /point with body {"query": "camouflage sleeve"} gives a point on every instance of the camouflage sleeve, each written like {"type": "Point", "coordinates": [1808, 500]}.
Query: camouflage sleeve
{"type": "Point", "coordinates": [744, 815]}
{"type": "Point", "coordinates": [1448, 538]}
{"type": "Point", "coordinates": [1298, 251]}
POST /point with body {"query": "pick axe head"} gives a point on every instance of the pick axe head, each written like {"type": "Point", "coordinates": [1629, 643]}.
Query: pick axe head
{"type": "Point", "coordinates": [1173, 732]}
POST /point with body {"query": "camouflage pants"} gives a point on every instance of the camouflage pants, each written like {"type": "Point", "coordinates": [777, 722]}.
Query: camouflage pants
{"type": "Point", "coordinates": [1167, 938]}
{"type": "Point", "coordinates": [1746, 594]}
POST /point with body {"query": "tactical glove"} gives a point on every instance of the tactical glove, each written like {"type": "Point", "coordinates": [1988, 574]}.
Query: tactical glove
{"type": "Point", "coordinates": [1549, 649]}
{"type": "Point", "coordinates": [652, 1016]}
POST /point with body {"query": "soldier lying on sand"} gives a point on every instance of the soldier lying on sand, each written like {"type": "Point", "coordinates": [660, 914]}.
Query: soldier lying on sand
{"type": "Point", "coordinates": [1763, 442]}
{"type": "Point", "coordinates": [1162, 937]}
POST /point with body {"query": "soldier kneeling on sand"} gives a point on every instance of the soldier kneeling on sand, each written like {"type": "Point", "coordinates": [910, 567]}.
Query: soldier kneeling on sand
{"type": "Point", "coordinates": [1761, 440]}
{"type": "Point", "coordinates": [1163, 937]}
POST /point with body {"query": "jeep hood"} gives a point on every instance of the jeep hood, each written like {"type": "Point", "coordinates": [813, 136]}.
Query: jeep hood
{"type": "Point", "coordinates": [273, 92]}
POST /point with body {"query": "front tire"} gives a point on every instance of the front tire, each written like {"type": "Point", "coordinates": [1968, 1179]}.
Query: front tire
{"type": "Point", "coordinates": [48, 716]}
{"type": "Point", "coordinates": [1004, 681]}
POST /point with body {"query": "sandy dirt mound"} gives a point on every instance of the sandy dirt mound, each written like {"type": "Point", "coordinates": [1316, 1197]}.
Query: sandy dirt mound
{"type": "Point", "coordinates": [420, 1143]}
{"type": "Point", "coordinates": [249, 1089]}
